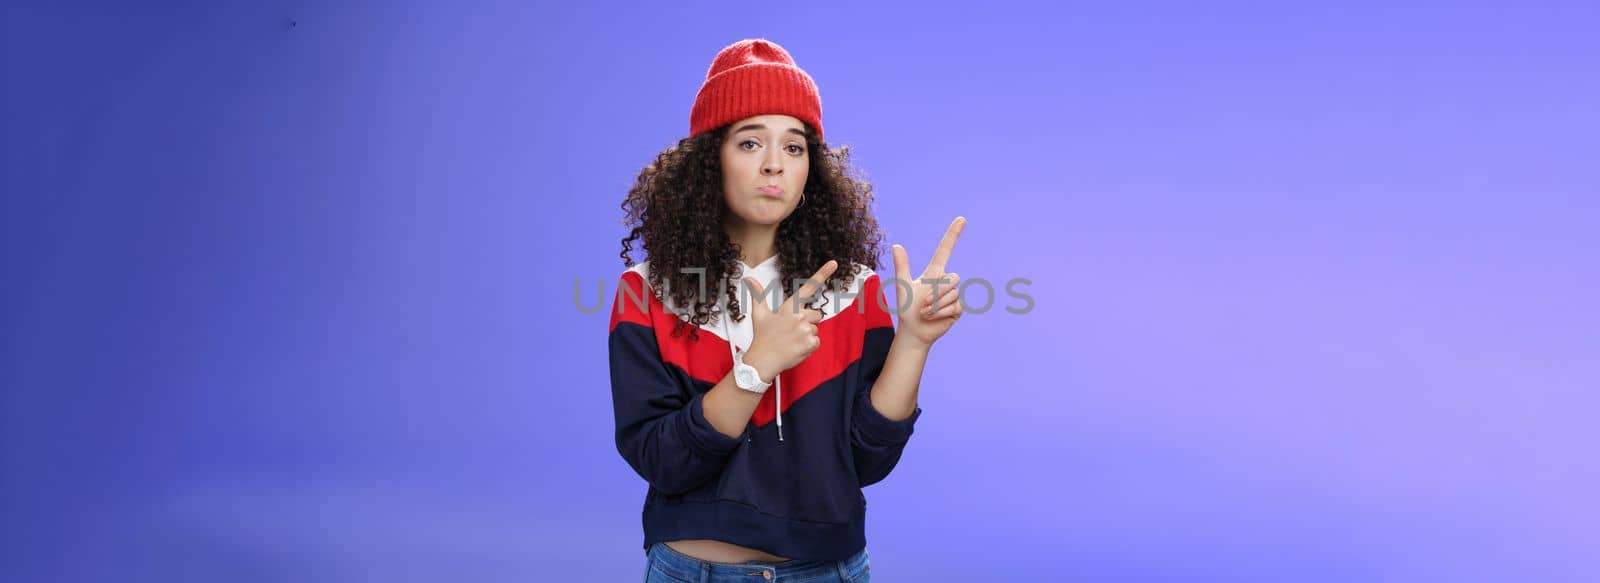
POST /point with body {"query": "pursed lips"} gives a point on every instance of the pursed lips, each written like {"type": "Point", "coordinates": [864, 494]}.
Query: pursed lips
{"type": "Point", "coordinates": [772, 191]}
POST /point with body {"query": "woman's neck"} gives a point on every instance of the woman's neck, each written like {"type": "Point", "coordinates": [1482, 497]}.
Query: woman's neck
{"type": "Point", "coordinates": [757, 243]}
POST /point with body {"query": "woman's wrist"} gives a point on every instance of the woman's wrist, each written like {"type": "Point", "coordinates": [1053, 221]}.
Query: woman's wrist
{"type": "Point", "coordinates": [905, 343]}
{"type": "Point", "coordinates": [764, 366]}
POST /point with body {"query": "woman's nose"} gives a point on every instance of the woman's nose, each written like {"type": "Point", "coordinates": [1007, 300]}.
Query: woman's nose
{"type": "Point", "coordinates": [772, 166]}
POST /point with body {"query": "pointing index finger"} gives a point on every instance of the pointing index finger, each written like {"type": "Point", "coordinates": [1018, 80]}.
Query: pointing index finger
{"type": "Point", "coordinates": [941, 256]}
{"type": "Point", "coordinates": [805, 293]}
{"type": "Point", "coordinates": [819, 278]}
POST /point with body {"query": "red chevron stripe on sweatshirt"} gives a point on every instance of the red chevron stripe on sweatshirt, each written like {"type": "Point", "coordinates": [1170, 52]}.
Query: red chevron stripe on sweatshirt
{"type": "Point", "coordinates": [707, 359]}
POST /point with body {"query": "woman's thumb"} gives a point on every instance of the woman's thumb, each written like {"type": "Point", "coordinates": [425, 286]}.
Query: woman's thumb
{"type": "Point", "coordinates": [756, 293]}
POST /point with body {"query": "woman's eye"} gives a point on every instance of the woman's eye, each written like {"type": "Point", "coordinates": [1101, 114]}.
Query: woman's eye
{"type": "Point", "coordinates": [796, 150]}
{"type": "Point", "coordinates": [747, 144]}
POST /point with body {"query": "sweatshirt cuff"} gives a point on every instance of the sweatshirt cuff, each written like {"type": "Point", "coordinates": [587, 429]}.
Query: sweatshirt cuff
{"type": "Point", "coordinates": [703, 436]}
{"type": "Point", "coordinates": [880, 430]}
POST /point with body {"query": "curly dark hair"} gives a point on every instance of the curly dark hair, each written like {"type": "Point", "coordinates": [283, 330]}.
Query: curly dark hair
{"type": "Point", "coordinates": [676, 209]}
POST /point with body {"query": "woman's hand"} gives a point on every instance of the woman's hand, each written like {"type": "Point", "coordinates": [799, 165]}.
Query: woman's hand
{"type": "Point", "coordinates": [785, 337]}
{"type": "Point", "coordinates": [925, 318]}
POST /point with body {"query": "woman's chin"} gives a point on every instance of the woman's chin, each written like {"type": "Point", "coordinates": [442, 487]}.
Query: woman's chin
{"type": "Point", "coordinates": [763, 218]}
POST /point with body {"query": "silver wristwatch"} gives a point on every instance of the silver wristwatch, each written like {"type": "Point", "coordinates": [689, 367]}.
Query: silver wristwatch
{"type": "Point", "coordinates": [746, 377]}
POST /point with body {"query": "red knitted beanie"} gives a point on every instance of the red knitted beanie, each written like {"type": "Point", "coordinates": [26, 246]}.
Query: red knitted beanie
{"type": "Point", "coordinates": [754, 77]}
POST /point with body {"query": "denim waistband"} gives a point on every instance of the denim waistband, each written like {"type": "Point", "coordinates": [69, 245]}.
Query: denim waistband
{"type": "Point", "coordinates": [689, 568]}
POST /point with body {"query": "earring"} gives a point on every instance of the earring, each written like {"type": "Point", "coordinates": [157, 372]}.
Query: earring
{"type": "Point", "coordinates": [802, 200]}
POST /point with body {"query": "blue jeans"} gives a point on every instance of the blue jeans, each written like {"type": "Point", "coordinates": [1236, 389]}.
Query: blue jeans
{"type": "Point", "coordinates": [669, 566]}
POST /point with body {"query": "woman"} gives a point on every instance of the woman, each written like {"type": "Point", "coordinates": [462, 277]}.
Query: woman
{"type": "Point", "coordinates": [745, 482]}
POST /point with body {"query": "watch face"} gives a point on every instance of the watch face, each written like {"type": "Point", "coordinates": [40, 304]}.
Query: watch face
{"type": "Point", "coordinates": [746, 377]}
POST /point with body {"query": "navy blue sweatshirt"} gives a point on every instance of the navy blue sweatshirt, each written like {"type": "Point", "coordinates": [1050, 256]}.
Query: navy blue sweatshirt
{"type": "Point", "coordinates": [798, 498]}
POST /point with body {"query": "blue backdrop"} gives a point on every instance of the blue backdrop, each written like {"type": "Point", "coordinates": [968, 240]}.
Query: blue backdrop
{"type": "Point", "coordinates": [289, 286]}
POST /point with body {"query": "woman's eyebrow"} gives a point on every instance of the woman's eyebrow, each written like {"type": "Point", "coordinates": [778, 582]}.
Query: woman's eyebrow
{"type": "Point", "coordinates": [756, 126]}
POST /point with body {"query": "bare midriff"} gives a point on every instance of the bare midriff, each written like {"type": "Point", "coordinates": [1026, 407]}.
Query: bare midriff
{"type": "Point", "coordinates": [717, 551]}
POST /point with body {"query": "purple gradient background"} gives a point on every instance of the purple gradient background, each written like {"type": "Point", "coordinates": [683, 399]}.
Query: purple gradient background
{"type": "Point", "coordinates": [1315, 285]}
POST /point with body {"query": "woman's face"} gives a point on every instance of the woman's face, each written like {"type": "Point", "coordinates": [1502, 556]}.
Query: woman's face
{"type": "Point", "coordinates": [764, 168]}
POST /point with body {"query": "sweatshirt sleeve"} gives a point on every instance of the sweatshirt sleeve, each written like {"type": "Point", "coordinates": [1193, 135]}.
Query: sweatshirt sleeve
{"type": "Point", "coordinates": [875, 440]}
{"type": "Point", "coordinates": [661, 428]}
